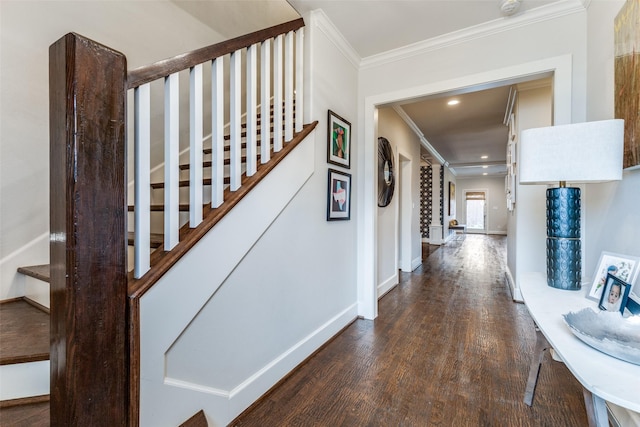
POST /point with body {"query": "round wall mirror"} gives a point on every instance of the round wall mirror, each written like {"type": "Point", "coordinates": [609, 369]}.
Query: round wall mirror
{"type": "Point", "coordinates": [386, 178]}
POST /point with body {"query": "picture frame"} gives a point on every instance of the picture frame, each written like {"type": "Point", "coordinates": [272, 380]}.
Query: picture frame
{"type": "Point", "coordinates": [338, 196]}
{"type": "Point", "coordinates": [624, 267]}
{"type": "Point", "coordinates": [338, 140]}
{"type": "Point", "coordinates": [452, 198]}
{"type": "Point", "coordinates": [615, 294]}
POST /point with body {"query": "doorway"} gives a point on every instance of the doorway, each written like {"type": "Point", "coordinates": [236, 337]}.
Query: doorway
{"type": "Point", "coordinates": [405, 211]}
{"type": "Point", "coordinates": [561, 69]}
{"type": "Point", "coordinates": [476, 210]}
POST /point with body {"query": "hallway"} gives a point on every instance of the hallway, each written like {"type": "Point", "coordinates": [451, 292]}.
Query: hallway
{"type": "Point", "coordinates": [448, 348]}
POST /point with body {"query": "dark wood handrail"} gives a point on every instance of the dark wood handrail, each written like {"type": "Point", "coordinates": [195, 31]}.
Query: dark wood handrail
{"type": "Point", "coordinates": [166, 67]}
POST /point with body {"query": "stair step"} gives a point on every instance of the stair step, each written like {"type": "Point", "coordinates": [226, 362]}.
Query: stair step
{"type": "Point", "coordinates": [157, 239]}
{"type": "Point", "coordinates": [207, 164]}
{"type": "Point", "coordinates": [40, 272]}
{"type": "Point", "coordinates": [24, 333]}
{"type": "Point", "coordinates": [31, 411]}
{"type": "Point", "coordinates": [228, 147]}
{"type": "Point", "coordinates": [186, 183]}
{"type": "Point", "coordinates": [183, 207]}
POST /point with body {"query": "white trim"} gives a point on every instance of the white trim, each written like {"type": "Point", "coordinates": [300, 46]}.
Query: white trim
{"type": "Point", "coordinates": [324, 24]}
{"type": "Point", "coordinates": [515, 290]}
{"type": "Point", "coordinates": [388, 284]}
{"type": "Point", "coordinates": [404, 242]}
{"type": "Point", "coordinates": [548, 12]}
{"type": "Point", "coordinates": [158, 332]}
{"type": "Point", "coordinates": [417, 262]}
{"type": "Point", "coordinates": [367, 237]}
{"type": "Point", "coordinates": [423, 140]}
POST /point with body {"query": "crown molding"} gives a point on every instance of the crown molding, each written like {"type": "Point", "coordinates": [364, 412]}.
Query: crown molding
{"type": "Point", "coordinates": [324, 24]}
{"type": "Point", "coordinates": [540, 14]}
{"type": "Point", "coordinates": [423, 141]}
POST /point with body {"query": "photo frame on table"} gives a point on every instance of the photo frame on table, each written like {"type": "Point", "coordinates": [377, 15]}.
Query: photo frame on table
{"type": "Point", "coordinates": [339, 141]}
{"type": "Point", "coordinates": [624, 267]}
{"type": "Point", "coordinates": [615, 294]}
{"type": "Point", "coordinates": [339, 196]}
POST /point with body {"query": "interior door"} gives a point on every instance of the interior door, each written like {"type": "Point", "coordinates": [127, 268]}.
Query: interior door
{"type": "Point", "coordinates": [476, 211]}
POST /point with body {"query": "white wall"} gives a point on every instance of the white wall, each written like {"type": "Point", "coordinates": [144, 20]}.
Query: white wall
{"type": "Point", "coordinates": [405, 145]}
{"type": "Point", "coordinates": [27, 29]}
{"type": "Point", "coordinates": [612, 209]}
{"type": "Point", "coordinates": [534, 109]}
{"type": "Point", "coordinates": [496, 201]}
{"type": "Point", "coordinates": [295, 287]}
{"type": "Point", "coordinates": [520, 49]}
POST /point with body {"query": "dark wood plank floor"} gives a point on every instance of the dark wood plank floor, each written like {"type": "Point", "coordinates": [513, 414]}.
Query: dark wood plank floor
{"type": "Point", "coordinates": [24, 333]}
{"type": "Point", "coordinates": [449, 348]}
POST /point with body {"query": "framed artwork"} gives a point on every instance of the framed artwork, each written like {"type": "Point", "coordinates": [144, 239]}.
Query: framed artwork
{"type": "Point", "coordinates": [627, 84]}
{"type": "Point", "coordinates": [339, 141]}
{"type": "Point", "coordinates": [452, 198]}
{"type": "Point", "coordinates": [615, 294]}
{"type": "Point", "coordinates": [623, 267]}
{"type": "Point", "coordinates": [339, 196]}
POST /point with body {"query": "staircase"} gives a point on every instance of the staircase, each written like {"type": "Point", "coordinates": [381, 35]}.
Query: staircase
{"type": "Point", "coordinates": [218, 174]}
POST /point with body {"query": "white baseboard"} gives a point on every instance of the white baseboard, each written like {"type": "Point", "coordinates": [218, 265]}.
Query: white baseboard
{"type": "Point", "coordinates": [417, 262]}
{"type": "Point", "coordinates": [387, 285]}
{"type": "Point", "coordinates": [515, 290]}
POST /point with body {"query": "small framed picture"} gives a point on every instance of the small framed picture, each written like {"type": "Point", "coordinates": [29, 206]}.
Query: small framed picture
{"type": "Point", "coordinates": [339, 141]}
{"type": "Point", "coordinates": [615, 294]}
{"type": "Point", "coordinates": [339, 197]}
{"type": "Point", "coordinates": [452, 198]}
{"type": "Point", "coordinates": [624, 267]}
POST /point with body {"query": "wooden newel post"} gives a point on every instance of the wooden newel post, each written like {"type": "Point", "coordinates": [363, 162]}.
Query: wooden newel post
{"type": "Point", "coordinates": [89, 347]}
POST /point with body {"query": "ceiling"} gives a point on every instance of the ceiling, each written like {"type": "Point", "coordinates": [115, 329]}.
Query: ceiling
{"type": "Point", "coordinates": [459, 135]}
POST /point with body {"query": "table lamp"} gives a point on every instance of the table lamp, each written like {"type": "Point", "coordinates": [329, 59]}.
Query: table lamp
{"type": "Point", "coordinates": [580, 153]}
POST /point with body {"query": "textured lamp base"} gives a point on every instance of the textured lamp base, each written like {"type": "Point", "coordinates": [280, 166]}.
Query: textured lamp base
{"type": "Point", "coordinates": [564, 263]}
{"type": "Point", "coordinates": [564, 255]}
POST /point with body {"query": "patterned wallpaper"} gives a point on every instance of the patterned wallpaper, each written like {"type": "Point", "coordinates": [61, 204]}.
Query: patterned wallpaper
{"type": "Point", "coordinates": [441, 196]}
{"type": "Point", "coordinates": [426, 202]}
{"type": "Point", "coordinates": [426, 199]}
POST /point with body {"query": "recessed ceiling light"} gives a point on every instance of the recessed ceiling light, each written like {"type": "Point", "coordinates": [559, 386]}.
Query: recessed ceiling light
{"type": "Point", "coordinates": [453, 102]}
{"type": "Point", "coordinates": [485, 167]}
{"type": "Point", "coordinates": [484, 157]}
{"type": "Point", "coordinates": [485, 173]}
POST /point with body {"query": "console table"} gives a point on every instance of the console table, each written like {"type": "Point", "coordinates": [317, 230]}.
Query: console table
{"type": "Point", "coordinates": [603, 378]}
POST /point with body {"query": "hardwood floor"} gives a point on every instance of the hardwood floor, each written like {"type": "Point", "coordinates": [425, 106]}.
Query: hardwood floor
{"type": "Point", "coordinates": [449, 348]}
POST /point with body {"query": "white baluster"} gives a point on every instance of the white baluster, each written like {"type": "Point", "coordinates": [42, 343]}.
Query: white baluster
{"type": "Point", "coordinates": [265, 101]}
{"type": "Point", "coordinates": [171, 161]}
{"type": "Point", "coordinates": [217, 132]}
{"type": "Point", "coordinates": [277, 94]}
{"type": "Point", "coordinates": [288, 86]}
{"type": "Point", "coordinates": [235, 108]}
{"type": "Point", "coordinates": [195, 146]}
{"type": "Point", "coordinates": [252, 114]}
{"type": "Point", "coordinates": [142, 159]}
{"type": "Point", "coordinates": [299, 97]}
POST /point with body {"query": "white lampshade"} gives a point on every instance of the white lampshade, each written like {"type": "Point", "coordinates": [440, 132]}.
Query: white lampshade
{"type": "Point", "coordinates": [580, 152]}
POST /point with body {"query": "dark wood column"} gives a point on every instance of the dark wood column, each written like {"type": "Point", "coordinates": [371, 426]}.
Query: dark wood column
{"type": "Point", "coordinates": [89, 347]}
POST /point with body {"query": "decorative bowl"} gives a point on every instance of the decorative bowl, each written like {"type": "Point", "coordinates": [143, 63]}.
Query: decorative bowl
{"type": "Point", "coordinates": [607, 332]}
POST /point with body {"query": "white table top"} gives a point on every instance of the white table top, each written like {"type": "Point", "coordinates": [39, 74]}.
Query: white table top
{"type": "Point", "coordinates": [611, 379]}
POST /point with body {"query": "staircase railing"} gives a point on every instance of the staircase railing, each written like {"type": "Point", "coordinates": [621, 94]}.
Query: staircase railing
{"type": "Point", "coordinates": [284, 82]}
{"type": "Point", "coordinates": [93, 327]}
